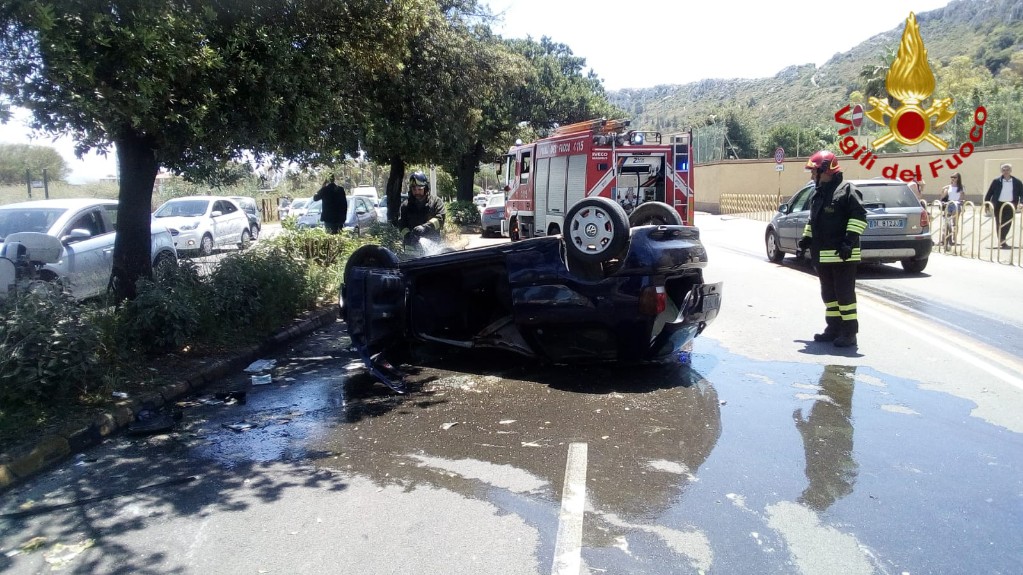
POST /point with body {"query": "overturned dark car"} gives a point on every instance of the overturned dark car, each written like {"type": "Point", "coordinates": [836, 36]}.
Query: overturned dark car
{"type": "Point", "coordinates": [602, 291]}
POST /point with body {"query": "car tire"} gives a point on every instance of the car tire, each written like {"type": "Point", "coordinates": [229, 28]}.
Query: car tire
{"type": "Point", "coordinates": [206, 245]}
{"type": "Point", "coordinates": [914, 266]}
{"type": "Point", "coordinates": [369, 255]}
{"type": "Point", "coordinates": [163, 264]}
{"type": "Point", "coordinates": [246, 238]}
{"type": "Point", "coordinates": [774, 252]}
{"type": "Point", "coordinates": [254, 231]}
{"type": "Point", "coordinates": [597, 230]}
{"type": "Point", "coordinates": [513, 230]}
{"type": "Point", "coordinates": [654, 214]}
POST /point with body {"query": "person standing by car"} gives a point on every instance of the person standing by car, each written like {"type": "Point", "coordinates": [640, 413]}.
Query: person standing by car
{"type": "Point", "coordinates": [1005, 193]}
{"type": "Point", "coordinates": [837, 218]}
{"type": "Point", "coordinates": [334, 210]}
{"type": "Point", "coordinates": [952, 197]}
{"type": "Point", "coordinates": [421, 215]}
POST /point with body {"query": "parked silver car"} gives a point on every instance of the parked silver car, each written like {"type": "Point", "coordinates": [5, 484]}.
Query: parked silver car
{"type": "Point", "coordinates": [898, 228]}
{"type": "Point", "coordinates": [361, 214]}
{"type": "Point", "coordinates": [67, 240]}
{"type": "Point", "coordinates": [201, 223]}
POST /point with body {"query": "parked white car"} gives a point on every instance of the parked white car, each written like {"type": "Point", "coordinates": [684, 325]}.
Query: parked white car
{"type": "Point", "coordinates": [202, 223]}
{"type": "Point", "coordinates": [298, 207]}
{"type": "Point", "coordinates": [67, 240]}
{"type": "Point", "coordinates": [367, 192]}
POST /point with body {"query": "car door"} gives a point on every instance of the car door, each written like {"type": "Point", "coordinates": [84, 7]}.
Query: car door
{"type": "Point", "coordinates": [793, 220]}
{"type": "Point", "coordinates": [223, 223]}
{"type": "Point", "coordinates": [364, 212]}
{"type": "Point", "coordinates": [89, 260]}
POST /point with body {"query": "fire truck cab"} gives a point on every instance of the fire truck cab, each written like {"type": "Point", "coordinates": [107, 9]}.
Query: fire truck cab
{"type": "Point", "coordinates": [596, 158]}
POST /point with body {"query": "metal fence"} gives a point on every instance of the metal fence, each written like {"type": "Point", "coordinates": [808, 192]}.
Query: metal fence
{"type": "Point", "coordinates": [972, 232]}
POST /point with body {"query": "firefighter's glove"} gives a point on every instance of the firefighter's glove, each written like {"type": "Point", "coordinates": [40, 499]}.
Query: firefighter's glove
{"type": "Point", "coordinates": [419, 230]}
{"type": "Point", "coordinates": [804, 243]}
{"type": "Point", "coordinates": [845, 250]}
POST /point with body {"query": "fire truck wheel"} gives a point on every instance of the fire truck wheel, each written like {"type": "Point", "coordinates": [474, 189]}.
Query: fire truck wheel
{"type": "Point", "coordinates": [368, 256]}
{"type": "Point", "coordinates": [654, 214]}
{"type": "Point", "coordinates": [596, 230]}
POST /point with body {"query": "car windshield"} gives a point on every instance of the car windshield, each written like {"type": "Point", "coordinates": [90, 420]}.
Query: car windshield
{"type": "Point", "coordinates": [14, 220]}
{"type": "Point", "coordinates": [182, 208]}
{"type": "Point", "coordinates": [888, 195]}
{"type": "Point", "coordinates": [299, 203]}
{"type": "Point", "coordinates": [495, 201]}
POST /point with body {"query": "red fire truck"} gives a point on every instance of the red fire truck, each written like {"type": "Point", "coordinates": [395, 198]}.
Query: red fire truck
{"type": "Point", "coordinates": [597, 158]}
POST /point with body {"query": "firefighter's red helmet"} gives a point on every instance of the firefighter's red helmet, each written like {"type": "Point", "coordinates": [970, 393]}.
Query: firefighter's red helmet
{"type": "Point", "coordinates": [824, 162]}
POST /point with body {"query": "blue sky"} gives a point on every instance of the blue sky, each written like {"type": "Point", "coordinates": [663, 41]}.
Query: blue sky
{"type": "Point", "coordinates": [643, 43]}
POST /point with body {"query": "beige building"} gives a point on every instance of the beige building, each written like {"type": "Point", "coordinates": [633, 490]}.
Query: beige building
{"type": "Point", "coordinates": [761, 177]}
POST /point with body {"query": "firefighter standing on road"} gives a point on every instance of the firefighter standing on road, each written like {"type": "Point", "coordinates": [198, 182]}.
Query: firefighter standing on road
{"type": "Point", "coordinates": [422, 214]}
{"type": "Point", "coordinates": [837, 218]}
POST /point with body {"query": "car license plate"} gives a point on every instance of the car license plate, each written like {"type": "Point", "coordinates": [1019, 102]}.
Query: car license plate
{"type": "Point", "coordinates": [888, 223]}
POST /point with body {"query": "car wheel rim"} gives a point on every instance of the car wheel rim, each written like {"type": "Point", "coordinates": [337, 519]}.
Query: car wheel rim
{"type": "Point", "coordinates": [591, 230]}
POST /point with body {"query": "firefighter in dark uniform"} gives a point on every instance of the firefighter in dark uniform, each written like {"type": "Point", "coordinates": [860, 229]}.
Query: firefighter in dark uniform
{"type": "Point", "coordinates": [422, 214]}
{"type": "Point", "coordinates": [837, 218]}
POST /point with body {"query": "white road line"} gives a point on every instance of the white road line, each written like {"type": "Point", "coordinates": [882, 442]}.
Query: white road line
{"type": "Point", "coordinates": [568, 546]}
{"type": "Point", "coordinates": [968, 350]}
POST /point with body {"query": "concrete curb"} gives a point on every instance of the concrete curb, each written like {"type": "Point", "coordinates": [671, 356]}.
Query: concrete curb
{"type": "Point", "coordinates": [55, 448]}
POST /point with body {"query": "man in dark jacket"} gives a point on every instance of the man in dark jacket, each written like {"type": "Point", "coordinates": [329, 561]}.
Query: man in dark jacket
{"type": "Point", "coordinates": [421, 215]}
{"type": "Point", "coordinates": [334, 209]}
{"type": "Point", "coordinates": [837, 218]}
{"type": "Point", "coordinates": [1005, 193]}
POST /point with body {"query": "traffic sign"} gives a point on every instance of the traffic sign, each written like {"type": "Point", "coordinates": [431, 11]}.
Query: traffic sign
{"type": "Point", "coordinates": [779, 167]}
{"type": "Point", "coordinates": [779, 155]}
{"type": "Point", "coordinates": [857, 115]}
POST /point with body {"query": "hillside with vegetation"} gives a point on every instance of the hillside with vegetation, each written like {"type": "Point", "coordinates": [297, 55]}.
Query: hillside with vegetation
{"type": "Point", "coordinates": [975, 48]}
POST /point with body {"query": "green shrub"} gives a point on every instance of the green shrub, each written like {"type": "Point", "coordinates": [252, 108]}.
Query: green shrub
{"type": "Point", "coordinates": [464, 213]}
{"type": "Point", "coordinates": [261, 289]}
{"type": "Point", "coordinates": [167, 313]}
{"type": "Point", "coordinates": [49, 348]}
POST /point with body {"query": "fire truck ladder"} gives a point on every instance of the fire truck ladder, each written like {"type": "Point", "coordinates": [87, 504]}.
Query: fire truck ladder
{"type": "Point", "coordinates": [598, 126]}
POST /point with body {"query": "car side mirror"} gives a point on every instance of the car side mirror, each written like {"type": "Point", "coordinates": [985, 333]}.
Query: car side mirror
{"type": "Point", "coordinates": [360, 210]}
{"type": "Point", "coordinates": [216, 213]}
{"type": "Point", "coordinates": [75, 235]}
{"type": "Point", "coordinates": [784, 208]}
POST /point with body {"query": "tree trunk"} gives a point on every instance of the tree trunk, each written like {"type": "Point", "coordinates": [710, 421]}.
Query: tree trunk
{"type": "Point", "coordinates": [393, 191]}
{"type": "Point", "coordinates": [468, 165]}
{"type": "Point", "coordinates": [137, 168]}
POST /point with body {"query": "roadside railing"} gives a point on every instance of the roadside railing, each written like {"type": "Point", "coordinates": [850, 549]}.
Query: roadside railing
{"type": "Point", "coordinates": [970, 232]}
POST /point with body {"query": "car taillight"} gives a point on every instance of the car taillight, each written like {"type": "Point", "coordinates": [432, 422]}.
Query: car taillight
{"type": "Point", "coordinates": [490, 211]}
{"type": "Point", "coordinates": [653, 300]}
{"type": "Point", "coordinates": [925, 220]}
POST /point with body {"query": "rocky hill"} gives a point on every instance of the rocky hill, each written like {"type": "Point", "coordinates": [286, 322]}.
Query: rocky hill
{"type": "Point", "coordinates": [987, 31]}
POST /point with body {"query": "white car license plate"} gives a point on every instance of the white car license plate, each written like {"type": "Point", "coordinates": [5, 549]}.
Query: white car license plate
{"type": "Point", "coordinates": [889, 223]}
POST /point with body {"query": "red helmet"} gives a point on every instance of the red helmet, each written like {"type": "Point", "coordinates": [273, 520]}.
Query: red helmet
{"type": "Point", "coordinates": [824, 162]}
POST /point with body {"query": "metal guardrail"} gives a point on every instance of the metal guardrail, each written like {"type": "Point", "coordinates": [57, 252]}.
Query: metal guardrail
{"type": "Point", "coordinates": [972, 230]}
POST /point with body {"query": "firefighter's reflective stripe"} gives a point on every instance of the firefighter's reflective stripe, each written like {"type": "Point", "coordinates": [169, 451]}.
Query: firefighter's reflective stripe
{"type": "Point", "coordinates": [831, 309]}
{"type": "Point", "coordinates": [848, 312]}
{"type": "Point", "coordinates": [807, 231]}
{"type": "Point", "coordinates": [831, 256]}
{"type": "Point", "coordinates": [856, 226]}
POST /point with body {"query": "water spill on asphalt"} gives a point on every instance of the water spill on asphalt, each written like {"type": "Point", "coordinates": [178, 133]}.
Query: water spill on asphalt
{"type": "Point", "coordinates": [727, 463]}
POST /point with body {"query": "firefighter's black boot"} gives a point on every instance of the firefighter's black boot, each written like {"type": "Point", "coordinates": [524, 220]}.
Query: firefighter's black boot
{"type": "Point", "coordinates": [828, 335]}
{"type": "Point", "coordinates": [846, 341]}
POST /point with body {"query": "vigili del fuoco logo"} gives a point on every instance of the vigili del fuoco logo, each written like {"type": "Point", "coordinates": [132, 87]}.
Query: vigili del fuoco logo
{"type": "Point", "coordinates": [911, 82]}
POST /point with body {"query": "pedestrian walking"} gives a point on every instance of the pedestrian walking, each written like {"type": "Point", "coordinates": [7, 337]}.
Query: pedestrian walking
{"type": "Point", "coordinates": [952, 197]}
{"type": "Point", "coordinates": [832, 234]}
{"type": "Point", "coordinates": [1005, 194]}
{"type": "Point", "coordinates": [334, 207]}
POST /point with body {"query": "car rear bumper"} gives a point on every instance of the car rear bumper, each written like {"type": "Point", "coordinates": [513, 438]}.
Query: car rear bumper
{"type": "Point", "coordinates": [916, 248]}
